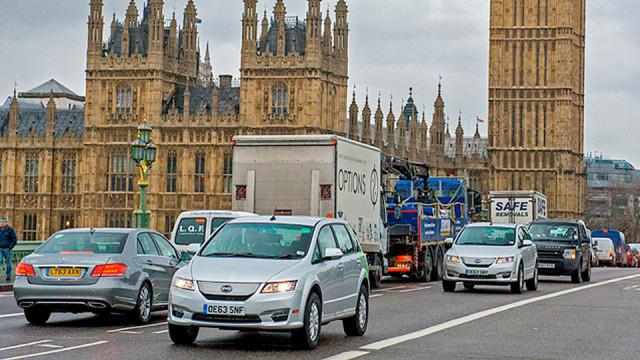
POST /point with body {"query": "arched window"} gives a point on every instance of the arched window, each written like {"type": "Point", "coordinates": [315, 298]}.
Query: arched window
{"type": "Point", "coordinates": [123, 100]}
{"type": "Point", "coordinates": [279, 100]}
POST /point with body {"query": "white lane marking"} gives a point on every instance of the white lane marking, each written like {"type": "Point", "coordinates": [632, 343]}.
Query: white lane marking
{"type": "Point", "coordinates": [374, 296]}
{"type": "Point", "coordinates": [415, 289]}
{"type": "Point", "coordinates": [130, 332]}
{"type": "Point", "coordinates": [482, 314]}
{"type": "Point", "coordinates": [6, 295]}
{"type": "Point", "coordinates": [161, 331]}
{"type": "Point", "coordinates": [389, 289]}
{"type": "Point", "coordinates": [24, 345]}
{"type": "Point", "coordinates": [137, 327]}
{"type": "Point", "coordinates": [631, 287]}
{"type": "Point", "coordinates": [56, 351]}
{"type": "Point", "coordinates": [347, 355]}
{"type": "Point", "coordinates": [10, 315]}
{"type": "Point", "coordinates": [51, 346]}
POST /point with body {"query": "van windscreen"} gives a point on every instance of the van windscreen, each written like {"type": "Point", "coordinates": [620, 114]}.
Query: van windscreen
{"type": "Point", "coordinates": [191, 231]}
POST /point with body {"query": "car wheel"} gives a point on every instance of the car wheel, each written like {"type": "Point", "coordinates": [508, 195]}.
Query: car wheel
{"type": "Point", "coordinates": [586, 275]}
{"type": "Point", "coordinates": [308, 336]}
{"type": "Point", "coordinates": [532, 284]}
{"type": "Point", "coordinates": [438, 266]}
{"type": "Point", "coordinates": [144, 303]}
{"type": "Point", "coordinates": [37, 316]}
{"type": "Point", "coordinates": [576, 276]}
{"type": "Point", "coordinates": [357, 324]}
{"type": "Point", "coordinates": [469, 286]}
{"type": "Point", "coordinates": [448, 286]}
{"type": "Point", "coordinates": [518, 286]}
{"type": "Point", "coordinates": [183, 335]}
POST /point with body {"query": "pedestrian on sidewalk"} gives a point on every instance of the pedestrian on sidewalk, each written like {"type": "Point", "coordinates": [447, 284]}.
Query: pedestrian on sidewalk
{"type": "Point", "coordinates": [8, 241]}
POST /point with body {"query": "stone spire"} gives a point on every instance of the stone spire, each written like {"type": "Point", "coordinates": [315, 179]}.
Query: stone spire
{"type": "Point", "coordinates": [353, 117]}
{"type": "Point", "coordinates": [314, 24]}
{"type": "Point", "coordinates": [14, 113]}
{"type": "Point", "coordinates": [402, 135]}
{"type": "Point", "coordinates": [190, 37]}
{"type": "Point", "coordinates": [156, 27]}
{"type": "Point", "coordinates": [437, 131]}
{"type": "Point", "coordinates": [95, 26]}
{"type": "Point", "coordinates": [413, 136]}
{"type": "Point", "coordinates": [207, 68]}
{"type": "Point", "coordinates": [459, 138]}
{"type": "Point", "coordinates": [423, 131]}
{"type": "Point", "coordinates": [327, 42]}
{"type": "Point", "coordinates": [379, 118]}
{"type": "Point", "coordinates": [249, 26]}
{"type": "Point", "coordinates": [341, 33]}
{"type": "Point", "coordinates": [391, 125]}
{"type": "Point", "coordinates": [366, 121]}
{"type": "Point", "coordinates": [279, 15]}
{"type": "Point", "coordinates": [51, 116]}
{"type": "Point", "coordinates": [172, 45]}
{"type": "Point", "coordinates": [265, 28]}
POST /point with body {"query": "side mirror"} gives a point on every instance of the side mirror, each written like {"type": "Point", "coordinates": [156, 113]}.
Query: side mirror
{"type": "Point", "coordinates": [448, 241]}
{"type": "Point", "coordinates": [186, 256]}
{"type": "Point", "coordinates": [193, 248]}
{"type": "Point", "coordinates": [527, 243]}
{"type": "Point", "coordinates": [332, 254]}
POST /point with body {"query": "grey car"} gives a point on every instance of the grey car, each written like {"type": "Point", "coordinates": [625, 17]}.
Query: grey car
{"type": "Point", "coordinates": [273, 274]}
{"type": "Point", "coordinates": [492, 254]}
{"type": "Point", "coordinates": [99, 271]}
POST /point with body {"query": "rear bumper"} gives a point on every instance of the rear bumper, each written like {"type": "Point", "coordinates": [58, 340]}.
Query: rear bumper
{"type": "Point", "coordinates": [105, 295]}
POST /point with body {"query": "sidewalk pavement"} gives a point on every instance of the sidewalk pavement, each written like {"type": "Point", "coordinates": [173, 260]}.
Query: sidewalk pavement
{"type": "Point", "coordinates": [6, 285]}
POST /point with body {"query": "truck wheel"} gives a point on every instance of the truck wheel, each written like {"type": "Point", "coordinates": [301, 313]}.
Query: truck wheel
{"type": "Point", "coordinates": [586, 275]}
{"type": "Point", "coordinates": [438, 266]}
{"type": "Point", "coordinates": [375, 277]}
{"type": "Point", "coordinates": [576, 275]}
{"type": "Point", "coordinates": [423, 272]}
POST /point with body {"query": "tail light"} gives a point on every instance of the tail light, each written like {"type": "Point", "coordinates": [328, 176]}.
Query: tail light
{"type": "Point", "coordinates": [25, 270]}
{"type": "Point", "coordinates": [610, 253]}
{"type": "Point", "coordinates": [404, 259]}
{"type": "Point", "coordinates": [109, 270]}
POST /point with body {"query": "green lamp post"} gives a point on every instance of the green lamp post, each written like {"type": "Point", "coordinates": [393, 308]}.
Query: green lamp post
{"type": "Point", "coordinates": [143, 152]}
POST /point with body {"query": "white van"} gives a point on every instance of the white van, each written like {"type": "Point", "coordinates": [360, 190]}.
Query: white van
{"type": "Point", "coordinates": [194, 227]}
{"type": "Point", "coordinates": [606, 251]}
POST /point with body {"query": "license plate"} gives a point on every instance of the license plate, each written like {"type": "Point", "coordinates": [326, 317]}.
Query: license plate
{"type": "Point", "coordinates": [477, 272]}
{"type": "Point", "coordinates": [65, 272]}
{"type": "Point", "coordinates": [546, 265]}
{"type": "Point", "coordinates": [219, 309]}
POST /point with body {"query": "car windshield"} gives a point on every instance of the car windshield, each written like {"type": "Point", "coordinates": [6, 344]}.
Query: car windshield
{"type": "Point", "coordinates": [84, 243]}
{"type": "Point", "coordinates": [554, 232]}
{"type": "Point", "coordinates": [270, 241]}
{"type": "Point", "coordinates": [486, 235]}
{"type": "Point", "coordinates": [191, 231]}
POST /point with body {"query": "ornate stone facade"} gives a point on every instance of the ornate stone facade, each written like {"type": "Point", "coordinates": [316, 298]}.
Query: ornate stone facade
{"type": "Point", "coordinates": [293, 81]}
{"type": "Point", "coordinates": [536, 100]}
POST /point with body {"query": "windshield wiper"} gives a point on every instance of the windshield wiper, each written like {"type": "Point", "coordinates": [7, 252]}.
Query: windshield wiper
{"type": "Point", "coordinates": [245, 254]}
{"type": "Point", "coordinates": [287, 256]}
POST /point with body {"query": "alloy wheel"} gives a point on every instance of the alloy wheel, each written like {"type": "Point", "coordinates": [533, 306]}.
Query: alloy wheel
{"type": "Point", "coordinates": [144, 300]}
{"type": "Point", "coordinates": [362, 315]}
{"type": "Point", "coordinates": [314, 322]}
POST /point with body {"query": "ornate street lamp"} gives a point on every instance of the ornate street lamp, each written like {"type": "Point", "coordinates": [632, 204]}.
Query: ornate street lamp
{"type": "Point", "coordinates": [143, 152]}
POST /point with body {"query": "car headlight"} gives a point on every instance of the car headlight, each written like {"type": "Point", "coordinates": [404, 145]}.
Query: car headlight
{"type": "Point", "coordinates": [569, 254]}
{"type": "Point", "coordinates": [505, 260]}
{"type": "Point", "coordinates": [184, 284]}
{"type": "Point", "coordinates": [279, 286]}
{"type": "Point", "coordinates": [453, 258]}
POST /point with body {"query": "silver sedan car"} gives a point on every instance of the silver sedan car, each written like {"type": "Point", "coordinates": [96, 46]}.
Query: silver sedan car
{"type": "Point", "coordinates": [273, 274]}
{"type": "Point", "coordinates": [492, 254]}
{"type": "Point", "coordinates": [99, 271]}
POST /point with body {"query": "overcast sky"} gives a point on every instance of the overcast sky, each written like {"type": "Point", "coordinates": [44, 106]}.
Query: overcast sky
{"type": "Point", "coordinates": [392, 47]}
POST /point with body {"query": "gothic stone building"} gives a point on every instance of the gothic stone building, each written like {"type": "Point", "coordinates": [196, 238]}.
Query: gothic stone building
{"type": "Point", "coordinates": [68, 165]}
{"type": "Point", "coordinates": [65, 162]}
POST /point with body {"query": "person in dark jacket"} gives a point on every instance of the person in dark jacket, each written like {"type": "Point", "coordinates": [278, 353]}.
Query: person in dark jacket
{"type": "Point", "coordinates": [8, 241]}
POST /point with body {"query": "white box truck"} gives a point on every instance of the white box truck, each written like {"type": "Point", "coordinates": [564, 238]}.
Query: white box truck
{"type": "Point", "coordinates": [313, 175]}
{"type": "Point", "coordinates": [519, 207]}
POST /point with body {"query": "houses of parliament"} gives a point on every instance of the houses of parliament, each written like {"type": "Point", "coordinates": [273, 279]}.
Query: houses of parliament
{"type": "Point", "coordinates": [65, 159]}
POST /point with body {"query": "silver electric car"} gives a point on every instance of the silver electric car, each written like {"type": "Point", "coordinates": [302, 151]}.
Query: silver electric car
{"type": "Point", "coordinates": [273, 274]}
{"type": "Point", "coordinates": [99, 271]}
{"type": "Point", "coordinates": [492, 254]}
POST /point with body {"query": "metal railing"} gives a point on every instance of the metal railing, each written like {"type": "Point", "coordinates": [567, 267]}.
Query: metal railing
{"type": "Point", "coordinates": [22, 249]}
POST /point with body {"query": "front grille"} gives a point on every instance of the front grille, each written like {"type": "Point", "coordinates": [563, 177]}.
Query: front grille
{"type": "Point", "coordinates": [550, 254]}
{"type": "Point", "coordinates": [484, 277]}
{"type": "Point", "coordinates": [483, 262]}
{"type": "Point", "coordinates": [233, 319]}
{"type": "Point", "coordinates": [227, 297]}
{"type": "Point", "coordinates": [472, 265]}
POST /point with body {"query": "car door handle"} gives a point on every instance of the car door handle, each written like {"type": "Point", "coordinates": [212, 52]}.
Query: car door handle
{"type": "Point", "coordinates": [148, 261]}
{"type": "Point", "coordinates": [341, 266]}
